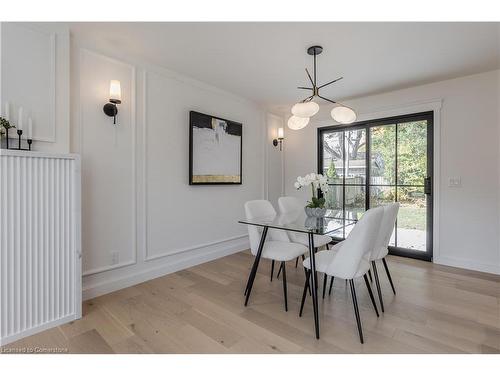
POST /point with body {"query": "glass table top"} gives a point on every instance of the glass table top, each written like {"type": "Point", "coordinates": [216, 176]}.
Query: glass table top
{"type": "Point", "coordinates": [333, 221]}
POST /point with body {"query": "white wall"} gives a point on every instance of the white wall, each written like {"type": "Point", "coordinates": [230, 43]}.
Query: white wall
{"type": "Point", "coordinates": [34, 74]}
{"type": "Point", "coordinates": [468, 128]}
{"type": "Point", "coordinates": [275, 160]}
{"type": "Point", "coordinates": [141, 219]}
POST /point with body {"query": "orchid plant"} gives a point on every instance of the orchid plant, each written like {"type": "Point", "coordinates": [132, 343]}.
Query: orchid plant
{"type": "Point", "coordinates": [316, 181]}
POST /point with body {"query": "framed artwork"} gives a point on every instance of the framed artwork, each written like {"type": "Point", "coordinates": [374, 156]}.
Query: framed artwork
{"type": "Point", "coordinates": [215, 150]}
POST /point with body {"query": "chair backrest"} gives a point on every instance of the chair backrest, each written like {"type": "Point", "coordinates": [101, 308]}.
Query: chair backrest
{"type": "Point", "coordinates": [385, 232]}
{"type": "Point", "coordinates": [291, 207]}
{"type": "Point", "coordinates": [289, 204]}
{"type": "Point", "coordinates": [261, 209]}
{"type": "Point", "coordinates": [358, 244]}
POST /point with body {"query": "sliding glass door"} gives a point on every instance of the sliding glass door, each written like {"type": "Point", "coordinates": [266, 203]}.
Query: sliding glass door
{"type": "Point", "coordinates": [376, 162]}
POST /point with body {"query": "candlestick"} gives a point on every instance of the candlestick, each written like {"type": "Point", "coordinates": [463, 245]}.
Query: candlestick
{"type": "Point", "coordinates": [20, 119]}
{"type": "Point", "coordinates": [30, 128]}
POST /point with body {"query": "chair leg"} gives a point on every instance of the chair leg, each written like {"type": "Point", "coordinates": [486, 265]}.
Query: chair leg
{"type": "Point", "coordinates": [371, 294]}
{"type": "Point", "coordinates": [327, 247]}
{"type": "Point", "coordinates": [304, 293]}
{"type": "Point", "coordinates": [308, 286]}
{"type": "Point", "coordinates": [325, 279]}
{"type": "Point", "coordinates": [377, 282]}
{"type": "Point", "coordinates": [296, 262]}
{"type": "Point", "coordinates": [370, 275]}
{"type": "Point", "coordinates": [388, 275]}
{"type": "Point", "coordinates": [283, 266]}
{"type": "Point", "coordinates": [331, 284]}
{"type": "Point", "coordinates": [272, 270]}
{"type": "Point", "coordinates": [279, 271]}
{"type": "Point", "coordinates": [356, 310]}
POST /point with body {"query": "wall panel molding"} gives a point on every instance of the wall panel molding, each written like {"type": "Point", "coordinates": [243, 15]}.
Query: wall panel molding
{"type": "Point", "coordinates": [133, 145]}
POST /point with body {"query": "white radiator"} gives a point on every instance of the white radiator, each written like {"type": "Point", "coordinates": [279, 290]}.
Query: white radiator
{"type": "Point", "coordinates": [40, 242]}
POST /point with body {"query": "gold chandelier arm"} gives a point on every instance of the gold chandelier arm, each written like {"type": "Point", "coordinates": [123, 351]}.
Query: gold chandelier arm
{"type": "Point", "coordinates": [310, 79]}
{"type": "Point", "coordinates": [328, 100]}
{"type": "Point", "coordinates": [329, 83]}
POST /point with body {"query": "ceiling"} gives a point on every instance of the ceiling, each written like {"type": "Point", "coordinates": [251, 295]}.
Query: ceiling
{"type": "Point", "coordinates": [264, 62]}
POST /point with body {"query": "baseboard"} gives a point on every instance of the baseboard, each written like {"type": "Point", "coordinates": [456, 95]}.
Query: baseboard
{"type": "Point", "coordinates": [467, 264]}
{"type": "Point", "coordinates": [37, 329]}
{"type": "Point", "coordinates": [205, 255]}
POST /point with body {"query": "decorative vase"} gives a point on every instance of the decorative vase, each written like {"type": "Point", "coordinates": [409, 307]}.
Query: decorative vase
{"type": "Point", "coordinates": [315, 212]}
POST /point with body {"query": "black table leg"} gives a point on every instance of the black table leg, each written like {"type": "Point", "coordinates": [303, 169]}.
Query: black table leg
{"type": "Point", "coordinates": [314, 286]}
{"type": "Point", "coordinates": [251, 278]}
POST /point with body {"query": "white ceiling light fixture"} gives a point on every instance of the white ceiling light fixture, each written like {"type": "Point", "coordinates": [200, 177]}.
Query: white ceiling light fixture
{"type": "Point", "coordinates": [343, 114]}
{"type": "Point", "coordinates": [296, 123]}
{"type": "Point", "coordinates": [307, 108]}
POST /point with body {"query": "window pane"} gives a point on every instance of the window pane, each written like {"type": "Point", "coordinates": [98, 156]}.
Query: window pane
{"type": "Point", "coordinates": [333, 198]}
{"type": "Point", "coordinates": [380, 195]}
{"type": "Point", "coordinates": [411, 223]}
{"type": "Point", "coordinates": [412, 153]}
{"type": "Point", "coordinates": [355, 157]}
{"type": "Point", "coordinates": [333, 162]}
{"type": "Point", "coordinates": [354, 201]}
{"type": "Point", "coordinates": [383, 155]}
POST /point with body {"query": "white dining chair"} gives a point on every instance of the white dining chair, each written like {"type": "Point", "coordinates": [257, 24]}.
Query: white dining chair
{"type": "Point", "coordinates": [277, 246]}
{"type": "Point", "coordinates": [290, 206]}
{"type": "Point", "coordinates": [381, 248]}
{"type": "Point", "coordinates": [352, 260]}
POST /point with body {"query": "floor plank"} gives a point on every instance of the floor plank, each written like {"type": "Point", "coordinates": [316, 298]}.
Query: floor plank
{"type": "Point", "coordinates": [437, 309]}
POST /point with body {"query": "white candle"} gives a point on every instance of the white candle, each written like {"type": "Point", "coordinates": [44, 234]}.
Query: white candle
{"type": "Point", "coordinates": [7, 111]}
{"type": "Point", "coordinates": [30, 128]}
{"type": "Point", "coordinates": [20, 119]}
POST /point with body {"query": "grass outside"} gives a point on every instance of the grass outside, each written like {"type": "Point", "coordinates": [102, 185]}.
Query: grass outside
{"type": "Point", "coordinates": [411, 217]}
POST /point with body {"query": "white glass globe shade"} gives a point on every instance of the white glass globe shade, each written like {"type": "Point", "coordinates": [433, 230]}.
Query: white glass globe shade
{"type": "Point", "coordinates": [296, 123]}
{"type": "Point", "coordinates": [344, 115]}
{"type": "Point", "coordinates": [307, 109]}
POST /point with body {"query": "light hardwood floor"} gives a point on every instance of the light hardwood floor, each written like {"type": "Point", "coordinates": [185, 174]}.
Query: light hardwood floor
{"type": "Point", "coordinates": [437, 309]}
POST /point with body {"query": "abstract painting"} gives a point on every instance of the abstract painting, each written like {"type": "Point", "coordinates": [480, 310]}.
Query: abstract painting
{"type": "Point", "coordinates": [214, 150]}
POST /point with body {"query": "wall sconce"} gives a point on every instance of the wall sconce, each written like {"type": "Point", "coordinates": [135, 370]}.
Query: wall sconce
{"type": "Point", "coordinates": [280, 138]}
{"type": "Point", "coordinates": [115, 97]}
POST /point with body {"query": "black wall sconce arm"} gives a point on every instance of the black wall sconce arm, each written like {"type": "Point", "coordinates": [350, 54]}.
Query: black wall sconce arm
{"type": "Point", "coordinates": [111, 109]}
{"type": "Point", "coordinates": [279, 139]}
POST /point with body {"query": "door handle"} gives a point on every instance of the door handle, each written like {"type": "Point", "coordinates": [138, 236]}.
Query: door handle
{"type": "Point", "coordinates": [427, 185]}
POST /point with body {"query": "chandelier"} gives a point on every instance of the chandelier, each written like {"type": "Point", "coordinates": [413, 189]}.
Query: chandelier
{"type": "Point", "coordinates": [304, 110]}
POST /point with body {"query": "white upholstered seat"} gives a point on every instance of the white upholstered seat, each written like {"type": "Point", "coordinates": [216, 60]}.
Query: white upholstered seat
{"type": "Point", "coordinates": [381, 248]}
{"type": "Point", "coordinates": [277, 246]}
{"type": "Point", "coordinates": [352, 258]}
{"type": "Point", "coordinates": [282, 251]}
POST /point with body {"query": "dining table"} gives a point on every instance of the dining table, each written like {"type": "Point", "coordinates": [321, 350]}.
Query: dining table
{"type": "Point", "coordinates": [335, 223]}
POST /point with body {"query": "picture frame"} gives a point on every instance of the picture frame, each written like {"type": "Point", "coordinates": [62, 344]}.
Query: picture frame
{"type": "Point", "coordinates": [215, 150]}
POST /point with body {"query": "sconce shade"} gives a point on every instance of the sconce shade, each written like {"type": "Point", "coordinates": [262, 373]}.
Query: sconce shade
{"type": "Point", "coordinates": [115, 92]}
{"type": "Point", "coordinates": [296, 123]}
{"type": "Point", "coordinates": [280, 133]}
{"type": "Point", "coordinates": [307, 109]}
{"type": "Point", "coordinates": [343, 114]}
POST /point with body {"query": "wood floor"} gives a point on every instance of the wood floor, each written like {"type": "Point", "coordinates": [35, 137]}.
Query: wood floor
{"type": "Point", "coordinates": [437, 309]}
